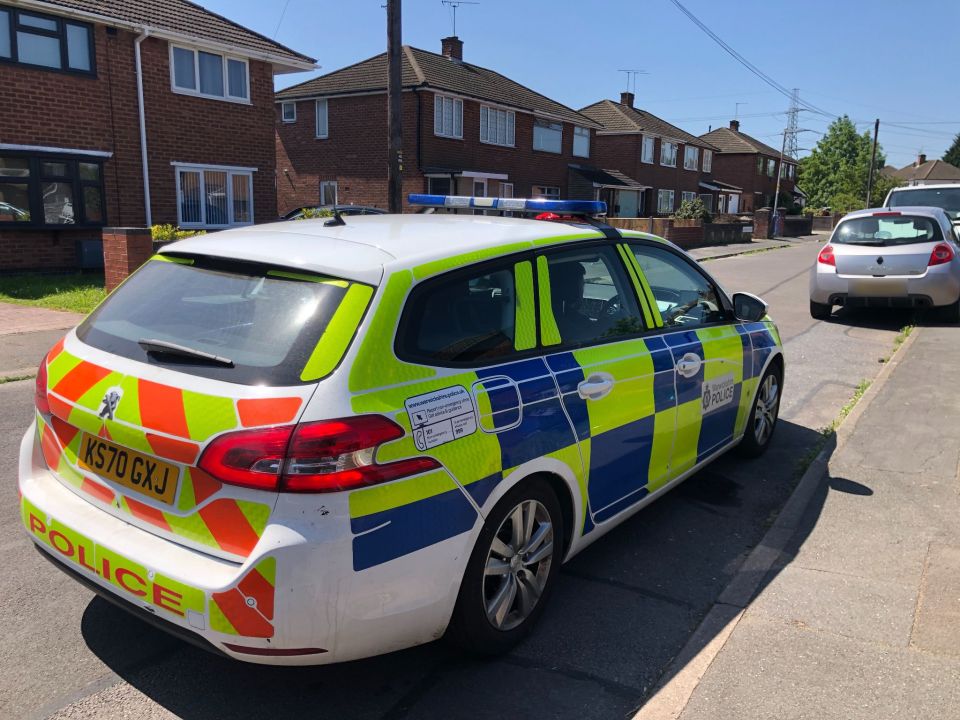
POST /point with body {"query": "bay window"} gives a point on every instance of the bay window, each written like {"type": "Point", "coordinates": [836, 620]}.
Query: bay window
{"type": "Point", "coordinates": [214, 196]}
{"type": "Point", "coordinates": [209, 75]}
{"type": "Point", "coordinates": [51, 191]}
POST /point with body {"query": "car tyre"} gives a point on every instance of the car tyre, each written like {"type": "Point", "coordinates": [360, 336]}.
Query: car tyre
{"type": "Point", "coordinates": [949, 313]}
{"type": "Point", "coordinates": [764, 414]}
{"type": "Point", "coordinates": [501, 598]}
{"type": "Point", "coordinates": [820, 311]}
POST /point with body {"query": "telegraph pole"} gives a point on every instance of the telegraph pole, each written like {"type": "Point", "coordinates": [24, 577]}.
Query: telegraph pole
{"type": "Point", "coordinates": [776, 194]}
{"type": "Point", "coordinates": [394, 125]}
{"type": "Point", "coordinates": [873, 161]}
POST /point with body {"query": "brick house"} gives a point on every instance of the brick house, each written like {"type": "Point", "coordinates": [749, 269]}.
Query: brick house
{"type": "Point", "coordinates": [753, 166]}
{"type": "Point", "coordinates": [91, 88]}
{"type": "Point", "coordinates": [467, 130]}
{"type": "Point", "coordinates": [666, 164]}
{"type": "Point", "coordinates": [924, 172]}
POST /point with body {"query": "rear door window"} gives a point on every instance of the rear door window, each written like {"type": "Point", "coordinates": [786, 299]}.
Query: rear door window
{"type": "Point", "coordinates": [887, 230]}
{"type": "Point", "coordinates": [265, 321]}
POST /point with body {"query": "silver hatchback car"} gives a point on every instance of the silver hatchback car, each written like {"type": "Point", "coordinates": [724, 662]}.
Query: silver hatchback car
{"type": "Point", "coordinates": [907, 257]}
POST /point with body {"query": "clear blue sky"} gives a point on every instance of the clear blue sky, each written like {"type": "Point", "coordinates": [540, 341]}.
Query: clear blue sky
{"type": "Point", "coordinates": [867, 58]}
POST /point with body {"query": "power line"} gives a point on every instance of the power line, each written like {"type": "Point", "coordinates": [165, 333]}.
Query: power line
{"type": "Point", "coordinates": [280, 21]}
{"type": "Point", "coordinates": [746, 63]}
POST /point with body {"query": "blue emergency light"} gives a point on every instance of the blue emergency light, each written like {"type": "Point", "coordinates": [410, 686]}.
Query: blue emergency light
{"type": "Point", "coordinates": [521, 205]}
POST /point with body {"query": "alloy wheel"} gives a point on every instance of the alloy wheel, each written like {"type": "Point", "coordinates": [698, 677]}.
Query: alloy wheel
{"type": "Point", "coordinates": [765, 414]}
{"type": "Point", "coordinates": [518, 565]}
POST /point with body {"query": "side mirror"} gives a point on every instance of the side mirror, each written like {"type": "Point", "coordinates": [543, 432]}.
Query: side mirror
{"type": "Point", "coordinates": [748, 308]}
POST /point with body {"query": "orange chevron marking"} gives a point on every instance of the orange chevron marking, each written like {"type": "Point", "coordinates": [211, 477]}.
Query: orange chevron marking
{"type": "Point", "coordinates": [50, 446]}
{"type": "Point", "coordinates": [145, 512]}
{"type": "Point", "coordinates": [161, 409]}
{"type": "Point", "coordinates": [229, 526]}
{"type": "Point", "coordinates": [59, 408]}
{"type": "Point", "coordinates": [65, 432]}
{"type": "Point", "coordinates": [245, 620]}
{"type": "Point", "coordinates": [256, 586]}
{"type": "Point", "coordinates": [76, 382]}
{"type": "Point", "coordinates": [268, 411]}
{"type": "Point", "coordinates": [177, 450]}
{"type": "Point", "coordinates": [100, 492]}
{"type": "Point", "coordinates": [204, 485]}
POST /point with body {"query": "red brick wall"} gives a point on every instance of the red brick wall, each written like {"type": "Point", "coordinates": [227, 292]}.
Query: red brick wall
{"type": "Point", "coordinates": [355, 153]}
{"type": "Point", "coordinates": [100, 113]}
{"type": "Point", "coordinates": [740, 169]}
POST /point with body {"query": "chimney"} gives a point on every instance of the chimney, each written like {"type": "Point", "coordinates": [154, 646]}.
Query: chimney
{"type": "Point", "coordinates": [735, 125]}
{"type": "Point", "coordinates": [452, 47]}
{"type": "Point", "coordinates": [626, 98]}
{"type": "Point", "coordinates": [921, 159]}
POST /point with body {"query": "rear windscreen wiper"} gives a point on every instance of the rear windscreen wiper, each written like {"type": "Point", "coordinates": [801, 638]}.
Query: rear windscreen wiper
{"type": "Point", "coordinates": [169, 348]}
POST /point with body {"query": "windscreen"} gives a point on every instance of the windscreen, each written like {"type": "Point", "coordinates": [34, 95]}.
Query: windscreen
{"type": "Point", "coordinates": [887, 230]}
{"type": "Point", "coordinates": [260, 323]}
{"type": "Point", "coordinates": [945, 198]}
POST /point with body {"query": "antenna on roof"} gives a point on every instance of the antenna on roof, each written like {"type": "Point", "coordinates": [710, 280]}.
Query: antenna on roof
{"type": "Point", "coordinates": [632, 76]}
{"type": "Point", "coordinates": [453, 5]}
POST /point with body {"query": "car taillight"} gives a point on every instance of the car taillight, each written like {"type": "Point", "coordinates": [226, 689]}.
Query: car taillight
{"type": "Point", "coordinates": [942, 253]}
{"type": "Point", "coordinates": [40, 394]}
{"type": "Point", "coordinates": [314, 457]}
{"type": "Point", "coordinates": [826, 256]}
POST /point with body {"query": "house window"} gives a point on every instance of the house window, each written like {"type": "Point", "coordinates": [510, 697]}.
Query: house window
{"type": "Point", "coordinates": [783, 172]}
{"type": "Point", "coordinates": [506, 190]}
{"type": "Point", "coordinates": [323, 124]}
{"type": "Point", "coordinates": [288, 111]}
{"type": "Point", "coordinates": [328, 192]}
{"type": "Point", "coordinates": [684, 196]}
{"type": "Point", "coordinates": [546, 192]}
{"type": "Point", "coordinates": [439, 186]}
{"type": "Point", "coordinates": [707, 199]}
{"type": "Point", "coordinates": [45, 191]}
{"type": "Point", "coordinates": [547, 136]}
{"type": "Point", "coordinates": [497, 127]}
{"type": "Point", "coordinates": [207, 74]}
{"type": "Point", "coordinates": [760, 165]}
{"type": "Point", "coordinates": [214, 196]}
{"type": "Point", "coordinates": [791, 171]}
{"type": "Point", "coordinates": [668, 153]}
{"type": "Point", "coordinates": [46, 41]}
{"type": "Point", "coordinates": [664, 201]}
{"type": "Point", "coordinates": [690, 154]}
{"type": "Point", "coordinates": [581, 141]}
{"type": "Point", "coordinates": [447, 116]}
{"type": "Point", "coordinates": [648, 149]}
{"type": "Point", "coordinates": [708, 161]}
{"type": "Point", "coordinates": [771, 167]}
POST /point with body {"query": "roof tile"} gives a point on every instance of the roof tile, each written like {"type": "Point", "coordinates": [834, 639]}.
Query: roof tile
{"type": "Point", "coordinates": [616, 117]}
{"type": "Point", "coordinates": [734, 141]}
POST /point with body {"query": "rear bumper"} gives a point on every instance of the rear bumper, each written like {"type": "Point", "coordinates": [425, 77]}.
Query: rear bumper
{"type": "Point", "coordinates": [297, 600]}
{"type": "Point", "coordinates": [938, 286]}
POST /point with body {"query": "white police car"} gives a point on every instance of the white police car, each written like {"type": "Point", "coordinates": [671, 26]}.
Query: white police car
{"type": "Point", "coordinates": [310, 442]}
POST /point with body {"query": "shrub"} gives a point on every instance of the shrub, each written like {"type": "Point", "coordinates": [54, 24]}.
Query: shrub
{"type": "Point", "coordinates": [312, 213]}
{"type": "Point", "coordinates": [692, 210]}
{"type": "Point", "coordinates": [171, 233]}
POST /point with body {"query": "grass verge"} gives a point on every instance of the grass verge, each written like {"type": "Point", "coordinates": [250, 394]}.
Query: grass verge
{"type": "Point", "coordinates": [15, 378]}
{"type": "Point", "coordinates": [74, 292]}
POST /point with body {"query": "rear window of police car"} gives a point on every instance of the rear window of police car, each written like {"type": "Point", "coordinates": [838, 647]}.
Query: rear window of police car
{"type": "Point", "coordinates": [265, 321]}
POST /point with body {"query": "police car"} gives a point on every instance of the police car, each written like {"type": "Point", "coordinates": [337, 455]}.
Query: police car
{"type": "Point", "coordinates": [310, 442]}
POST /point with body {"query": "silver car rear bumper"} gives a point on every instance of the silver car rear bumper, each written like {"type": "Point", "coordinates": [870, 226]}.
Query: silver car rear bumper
{"type": "Point", "coordinates": [938, 286]}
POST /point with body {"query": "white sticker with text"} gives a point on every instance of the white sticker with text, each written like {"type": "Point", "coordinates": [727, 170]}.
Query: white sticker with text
{"type": "Point", "coordinates": [441, 416]}
{"type": "Point", "coordinates": [718, 392]}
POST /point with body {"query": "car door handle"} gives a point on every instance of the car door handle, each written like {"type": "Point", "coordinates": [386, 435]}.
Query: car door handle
{"type": "Point", "coordinates": [596, 386]}
{"type": "Point", "coordinates": [689, 365]}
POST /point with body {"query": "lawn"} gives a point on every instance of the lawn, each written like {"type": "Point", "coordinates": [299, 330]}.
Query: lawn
{"type": "Point", "coordinates": [74, 292]}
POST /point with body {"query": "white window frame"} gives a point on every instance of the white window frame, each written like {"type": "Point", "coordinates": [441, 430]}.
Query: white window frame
{"type": "Point", "coordinates": [690, 161]}
{"type": "Point", "coordinates": [553, 126]}
{"type": "Point", "coordinates": [664, 146]}
{"type": "Point", "coordinates": [283, 111]}
{"type": "Point", "coordinates": [583, 133]}
{"type": "Point", "coordinates": [707, 160]}
{"type": "Point", "coordinates": [439, 124]}
{"type": "Point", "coordinates": [652, 159]}
{"type": "Point", "coordinates": [503, 189]}
{"type": "Point", "coordinates": [327, 184]}
{"type": "Point", "coordinates": [771, 167]}
{"type": "Point", "coordinates": [660, 196]}
{"type": "Point", "coordinates": [687, 195]}
{"type": "Point", "coordinates": [231, 171]}
{"type": "Point", "coordinates": [195, 91]}
{"type": "Point", "coordinates": [510, 126]}
{"type": "Point", "coordinates": [544, 192]}
{"type": "Point", "coordinates": [322, 133]}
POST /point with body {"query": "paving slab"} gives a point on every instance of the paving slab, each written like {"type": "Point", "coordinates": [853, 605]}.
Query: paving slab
{"type": "Point", "coordinates": [24, 319]}
{"type": "Point", "coordinates": [20, 354]}
{"type": "Point", "coordinates": [937, 627]}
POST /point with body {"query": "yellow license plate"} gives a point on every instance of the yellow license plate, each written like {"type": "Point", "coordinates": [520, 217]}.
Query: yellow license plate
{"type": "Point", "coordinates": [141, 473]}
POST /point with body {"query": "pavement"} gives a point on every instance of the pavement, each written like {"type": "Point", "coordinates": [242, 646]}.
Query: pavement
{"type": "Point", "coordinates": [26, 333]}
{"type": "Point", "coordinates": [858, 613]}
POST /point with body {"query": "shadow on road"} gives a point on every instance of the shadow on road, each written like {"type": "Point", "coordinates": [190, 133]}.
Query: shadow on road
{"type": "Point", "coordinates": [622, 611]}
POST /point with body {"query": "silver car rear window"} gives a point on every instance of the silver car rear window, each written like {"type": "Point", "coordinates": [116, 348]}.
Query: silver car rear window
{"type": "Point", "coordinates": [887, 230]}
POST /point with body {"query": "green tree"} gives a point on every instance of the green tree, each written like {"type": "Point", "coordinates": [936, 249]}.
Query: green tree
{"type": "Point", "coordinates": [835, 173]}
{"type": "Point", "coordinates": [952, 155]}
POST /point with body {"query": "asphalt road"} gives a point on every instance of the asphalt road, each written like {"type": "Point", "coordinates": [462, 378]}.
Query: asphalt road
{"type": "Point", "coordinates": [623, 609]}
